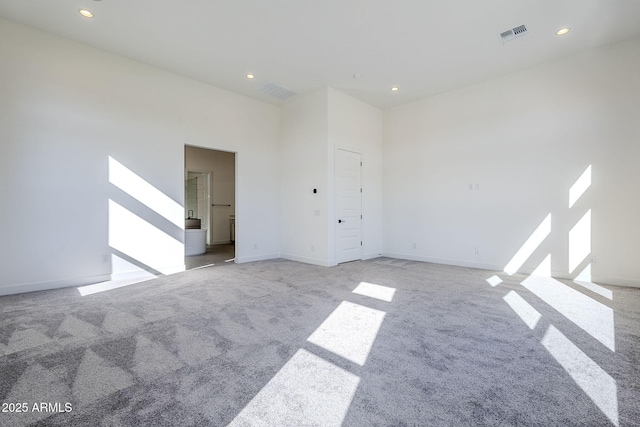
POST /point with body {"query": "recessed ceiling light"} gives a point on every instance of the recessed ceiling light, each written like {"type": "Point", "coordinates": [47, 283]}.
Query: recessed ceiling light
{"type": "Point", "coordinates": [562, 31]}
{"type": "Point", "coordinates": [251, 76]}
{"type": "Point", "coordinates": [86, 13]}
{"type": "Point", "coordinates": [357, 76]}
{"type": "Point", "coordinates": [395, 88]}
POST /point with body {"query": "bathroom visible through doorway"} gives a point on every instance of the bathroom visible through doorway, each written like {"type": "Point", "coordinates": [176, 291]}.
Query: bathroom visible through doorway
{"type": "Point", "coordinates": [210, 207]}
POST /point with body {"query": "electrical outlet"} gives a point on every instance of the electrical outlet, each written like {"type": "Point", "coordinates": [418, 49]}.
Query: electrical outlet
{"type": "Point", "coordinates": [477, 251]}
{"type": "Point", "coordinates": [593, 260]}
{"type": "Point", "coordinates": [313, 248]}
{"type": "Point", "coordinates": [477, 186]}
{"type": "Point", "coordinates": [470, 186]}
{"type": "Point", "coordinates": [414, 245]}
{"type": "Point", "coordinates": [255, 246]}
{"type": "Point", "coordinates": [105, 258]}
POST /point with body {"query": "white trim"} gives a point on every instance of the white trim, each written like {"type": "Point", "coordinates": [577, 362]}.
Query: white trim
{"type": "Point", "coordinates": [307, 260]}
{"type": "Point", "coordinates": [616, 281]}
{"type": "Point", "coordinates": [458, 263]}
{"type": "Point", "coordinates": [131, 275]}
{"type": "Point", "coordinates": [602, 280]}
{"type": "Point", "coordinates": [241, 260]}
{"type": "Point", "coordinates": [57, 284]}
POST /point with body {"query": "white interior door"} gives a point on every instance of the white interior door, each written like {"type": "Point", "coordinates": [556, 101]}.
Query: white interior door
{"type": "Point", "coordinates": [348, 182]}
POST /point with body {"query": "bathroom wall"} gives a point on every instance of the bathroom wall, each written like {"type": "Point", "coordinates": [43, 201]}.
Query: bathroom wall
{"type": "Point", "coordinates": [196, 199]}
{"type": "Point", "coordinates": [191, 198]}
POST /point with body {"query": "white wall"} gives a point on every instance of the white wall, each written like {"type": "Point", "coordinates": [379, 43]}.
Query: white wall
{"type": "Point", "coordinates": [221, 164]}
{"type": "Point", "coordinates": [524, 138]}
{"type": "Point", "coordinates": [304, 164]}
{"type": "Point", "coordinates": [65, 108]}
{"type": "Point", "coordinates": [313, 126]}
{"type": "Point", "coordinates": [357, 126]}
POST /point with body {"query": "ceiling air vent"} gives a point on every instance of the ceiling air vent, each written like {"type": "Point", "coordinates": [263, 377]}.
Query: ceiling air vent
{"type": "Point", "coordinates": [276, 91]}
{"type": "Point", "coordinates": [513, 33]}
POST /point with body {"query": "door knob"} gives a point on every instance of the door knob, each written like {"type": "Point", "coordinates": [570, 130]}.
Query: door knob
{"type": "Point", "coordinates": [341, 221]}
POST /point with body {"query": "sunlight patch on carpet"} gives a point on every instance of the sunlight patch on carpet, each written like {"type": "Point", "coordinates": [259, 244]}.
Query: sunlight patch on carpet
{"type": "Point", "coordinates": [123, 274]}
{"type": "Point", "coordinates": [584, 279]}
{"type": "Point", "coordinates": [308, 390]}
{"type": "Point", "coordinates": [349, 331]}
{"type": "Point", "coordinates": [591, 378]}
{"type": "Point", "coordinates": [593, 317]}
{"type": "Point", "coordinates": [494, 280]}
{"type": "Point", "coordinates": [383, 293]}
{"type": "Point", "coordinates": [523, 309]}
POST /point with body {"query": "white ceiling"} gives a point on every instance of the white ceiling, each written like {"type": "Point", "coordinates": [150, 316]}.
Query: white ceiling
{"type": "Point", "coordinates": [422, 46]}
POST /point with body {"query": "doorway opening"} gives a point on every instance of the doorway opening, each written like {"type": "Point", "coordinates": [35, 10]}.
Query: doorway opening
{"type": "Point", "coordinates": [210, 207]}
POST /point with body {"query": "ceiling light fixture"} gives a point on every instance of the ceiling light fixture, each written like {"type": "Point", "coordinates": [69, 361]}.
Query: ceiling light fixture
{"type": "Point", "coordinates": [86, 13]}
{"type": "Point", "coordinates": [395, 88]}
{"type": "Point", "coordinates": [251, 76]}
{"type": "Point", "coordinates": [562, 31]}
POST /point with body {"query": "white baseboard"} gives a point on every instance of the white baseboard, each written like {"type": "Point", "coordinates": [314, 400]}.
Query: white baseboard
{"type": "Point", "coordinates": [139, 273]}
{"type": "Point", "coordinates": [456, 262]}
{"type": "Point", "coordinates": [56, 284]}
{"type": "Point", "coordinates": [166, 271]}
{"type": "Point", "coordinates": [240, 260]}
{"type": "Point", "coordinates": [324, 263]}
{"type": "Point", "coordinates": [616, 281]}
{"type": "Point", "coordinates": [307, 260]}
{"type": "Point", "coordinates": [132, 275]}
{"type": "Point", "coordinates": [603, 280]}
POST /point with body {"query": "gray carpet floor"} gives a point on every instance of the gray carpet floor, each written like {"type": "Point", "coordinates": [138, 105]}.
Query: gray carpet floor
{"type": "Point", "coordinates": [280, 343]}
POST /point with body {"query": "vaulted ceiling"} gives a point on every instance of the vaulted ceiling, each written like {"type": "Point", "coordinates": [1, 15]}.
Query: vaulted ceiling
{"type": "Point", "coordinates": [423, 47]}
